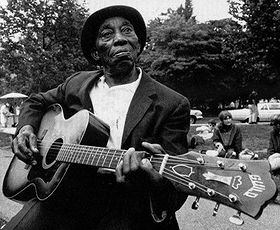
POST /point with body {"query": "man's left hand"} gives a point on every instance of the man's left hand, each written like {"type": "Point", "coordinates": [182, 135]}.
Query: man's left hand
{"type": "Point", "coordinates": [135, 167]}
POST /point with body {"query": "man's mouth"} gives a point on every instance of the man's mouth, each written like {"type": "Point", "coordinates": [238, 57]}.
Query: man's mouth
{"type": "Point", "coordinates": [122, 54]}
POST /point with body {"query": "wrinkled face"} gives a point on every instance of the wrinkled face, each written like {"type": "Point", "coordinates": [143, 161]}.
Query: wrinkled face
{"type": "Point", "coordinates": [117, 44]}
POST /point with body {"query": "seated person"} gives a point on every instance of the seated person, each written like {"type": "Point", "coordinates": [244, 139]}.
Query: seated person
{"type": "Point", "coordinates": [202, 139]}
{"type": "Point", "coordinates": [274, 141]}
{"type": "Point", "coordinates": [273, 150]}
{"type": "Point", "coordinates": [227, 137]}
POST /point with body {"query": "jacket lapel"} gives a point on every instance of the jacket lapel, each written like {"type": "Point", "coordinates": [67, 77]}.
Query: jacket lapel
{"type": "Point", "coordinates": [86, 87]}
{"type": "Point", "coordinates": [141, 101]}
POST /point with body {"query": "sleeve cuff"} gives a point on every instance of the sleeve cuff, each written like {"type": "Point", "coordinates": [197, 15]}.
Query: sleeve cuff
{"type": "Point", "coordinates": [158, 217]}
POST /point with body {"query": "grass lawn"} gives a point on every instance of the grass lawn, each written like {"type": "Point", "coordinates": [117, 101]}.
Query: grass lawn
{"type": "Point", "coordinates": [4, 140]}
{"type": "Point", "coordinates": [255, 137]}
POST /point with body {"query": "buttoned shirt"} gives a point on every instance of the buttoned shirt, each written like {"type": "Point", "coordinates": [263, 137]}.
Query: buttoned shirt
{"type": "Point", "coordinates": [111, 106]}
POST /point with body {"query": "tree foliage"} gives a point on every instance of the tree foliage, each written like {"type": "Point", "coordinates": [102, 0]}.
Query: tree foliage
{"type": "Point", "coordinates": [257, 48]}
{"type": "Point", "coordinates": [211, 62]}
{"type": "Point", "coordinates": [40, 43]}
{"type": "Point", "coordinates": [191, 57]}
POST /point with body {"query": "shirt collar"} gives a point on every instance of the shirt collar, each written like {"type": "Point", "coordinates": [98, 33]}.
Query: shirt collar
{"type": "Point", "coordinates": [129, 86]}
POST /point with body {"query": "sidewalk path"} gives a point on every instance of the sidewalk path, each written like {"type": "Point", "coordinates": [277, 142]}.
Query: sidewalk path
{"type": "Point", "coordinates": [8, 208]}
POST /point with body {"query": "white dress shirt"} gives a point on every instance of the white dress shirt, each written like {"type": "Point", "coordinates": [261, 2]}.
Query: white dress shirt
{"type": "Point", "coordinates": [111, 105]}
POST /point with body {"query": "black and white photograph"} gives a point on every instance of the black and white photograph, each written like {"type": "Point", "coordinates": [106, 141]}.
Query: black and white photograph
{"type": "Point", "coordinates": [139, 114]}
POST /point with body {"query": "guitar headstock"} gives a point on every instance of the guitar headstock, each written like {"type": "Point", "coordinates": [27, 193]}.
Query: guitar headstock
{"type": "Point", "coordinates": [246, 186]}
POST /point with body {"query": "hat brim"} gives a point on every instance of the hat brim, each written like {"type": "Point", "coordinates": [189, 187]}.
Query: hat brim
{"type": "Point", "coordinates": [94, 21]}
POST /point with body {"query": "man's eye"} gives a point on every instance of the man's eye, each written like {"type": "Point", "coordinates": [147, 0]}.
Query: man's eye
{"type": "Point", "coordinates": [106, 34]}
{"type": "Point", "coordinates": [127, 30]}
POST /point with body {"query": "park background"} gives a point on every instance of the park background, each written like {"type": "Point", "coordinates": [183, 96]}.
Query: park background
{"type": "Point", "coordinates": [211, 62]}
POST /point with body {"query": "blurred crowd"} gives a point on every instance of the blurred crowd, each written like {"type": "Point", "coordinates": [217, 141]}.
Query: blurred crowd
{"type": "Point", "coordinates": [9, 114]}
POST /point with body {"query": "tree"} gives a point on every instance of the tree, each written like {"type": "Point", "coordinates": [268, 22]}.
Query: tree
{"type": "Point", "coordinates": [256, 48]}
{"type": "Point", "coordinates": [40, 43]}
{"type": "Point", "coordinates": [188, 9]}
{"type": "Point", "coordinates": [191, 58]}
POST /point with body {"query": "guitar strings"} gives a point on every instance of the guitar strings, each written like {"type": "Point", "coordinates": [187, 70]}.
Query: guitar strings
{"type": "Point", "coordinates": [173, 160]}
{"type": "Point", "coordinates": [99, 152]}
{"type": "Point", "coordinates": [177, 178]}
{"type": "Point", "coordinates": [59, 146]}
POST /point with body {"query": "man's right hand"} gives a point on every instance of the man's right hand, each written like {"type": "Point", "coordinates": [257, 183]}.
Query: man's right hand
{"type": "Point", "coordinates": [24, 145]}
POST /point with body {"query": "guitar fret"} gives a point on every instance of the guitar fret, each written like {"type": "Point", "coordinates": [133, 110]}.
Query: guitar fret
{"type": "Point", "coordinates": [116, 158]}
{"type": "Point", "coordinates": [87, 155]}
{"type": "Point", "coordinates": [100, 154]}
{"type": "Point", "coordinates": [110, 158]}
{"type": "Point", "coordinates": [93, 156]}
{"type": "Point", "coordinates": [94, 162]}
{"type": "Point", "coordinates": [110, 163]}
{"type": "Point", "coordinates": [120, 158]}
{"type": "Point", "coordinates": [105, 158]}
{"type": "Point", "coordinates": [75, 153]}
{"type": "Point", "coordinates": [71, 153]}
{"type": "Point", "coordinates": [92, 152]}
{"type": "Point", "coordinates": [78, 155]}
{"type": "Point", "coordinates": [83, 155]}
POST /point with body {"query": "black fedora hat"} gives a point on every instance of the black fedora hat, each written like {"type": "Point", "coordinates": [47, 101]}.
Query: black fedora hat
{"type": "Point", "coordinates": [94, 21]}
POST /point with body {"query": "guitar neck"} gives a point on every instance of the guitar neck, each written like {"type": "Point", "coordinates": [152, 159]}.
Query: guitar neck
{"type": "Point", "coordinates": [96, 156]}
{"type": "Point", "coordinates": [89, 155]}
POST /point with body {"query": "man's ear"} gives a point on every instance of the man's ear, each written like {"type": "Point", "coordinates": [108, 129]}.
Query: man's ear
{"type": "Point", "coordinates": [95, 56]}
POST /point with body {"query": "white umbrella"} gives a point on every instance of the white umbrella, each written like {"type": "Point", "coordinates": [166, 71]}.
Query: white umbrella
{"type": "Point", "coordinates": [13, 95]}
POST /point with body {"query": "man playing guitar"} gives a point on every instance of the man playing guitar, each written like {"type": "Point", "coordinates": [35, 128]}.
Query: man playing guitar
{"type": "Point", "coordinates": [136, 108]}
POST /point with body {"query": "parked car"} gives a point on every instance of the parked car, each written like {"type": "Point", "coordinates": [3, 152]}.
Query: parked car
{"type": "Point", "coordinates": [195, 115]}
{"type": "Point", "coordinates": [266, 112]}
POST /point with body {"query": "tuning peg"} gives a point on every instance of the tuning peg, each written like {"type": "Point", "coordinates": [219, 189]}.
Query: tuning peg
{"type": "Point", "coordinates": [201, 160]}
{"type": "Point", "coordinates": [192, 186]}
{"type": "Point", "coordinates": [232, 198]}
{"type": "Point", "coordinates": [221, 164]}
{"type": "Point", "coordinates": [211, 192]}
{"type": "Point", "coordinates": [236, 219]}
{"type": "Point", "coordinates": [216, 208]}
{"type": "Point", "coordinates": [242, 167]}
{"type": "Point", "coordinates": [195, 204]}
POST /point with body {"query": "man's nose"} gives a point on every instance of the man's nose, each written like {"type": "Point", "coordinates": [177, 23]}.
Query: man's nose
{"type": "Point", "coordinates": [119, 39]}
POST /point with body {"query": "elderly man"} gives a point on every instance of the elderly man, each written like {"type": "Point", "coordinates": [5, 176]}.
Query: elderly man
{"type": "Point", "coordinates": [138, 110]}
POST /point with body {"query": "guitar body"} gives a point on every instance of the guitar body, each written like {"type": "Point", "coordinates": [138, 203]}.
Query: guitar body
{"type": "Point", "coordinates": [22, 182]}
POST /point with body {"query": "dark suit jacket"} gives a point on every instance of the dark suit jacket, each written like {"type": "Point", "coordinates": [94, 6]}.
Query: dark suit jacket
{"type": "Point", "coordinates": [156, 114]}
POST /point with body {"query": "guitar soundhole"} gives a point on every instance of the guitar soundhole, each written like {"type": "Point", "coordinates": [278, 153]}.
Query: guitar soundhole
{"type": "Point", "coordinates": [53, 151]}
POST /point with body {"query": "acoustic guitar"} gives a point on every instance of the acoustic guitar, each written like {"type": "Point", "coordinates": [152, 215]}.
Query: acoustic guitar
{"type": "Point", "coordinates": [246, 186]}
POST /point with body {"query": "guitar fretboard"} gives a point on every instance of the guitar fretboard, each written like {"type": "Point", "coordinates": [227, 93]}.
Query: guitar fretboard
{"type": "Point", "coordinates": [88, 155]}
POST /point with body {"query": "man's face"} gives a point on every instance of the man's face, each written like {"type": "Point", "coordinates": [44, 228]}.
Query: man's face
{"type": "Point", "coordinates": [117, 44]}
